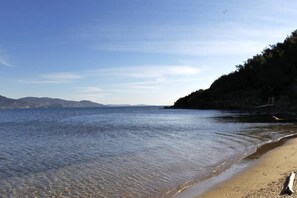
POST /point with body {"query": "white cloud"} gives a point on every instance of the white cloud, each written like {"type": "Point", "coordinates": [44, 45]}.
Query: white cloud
{"type": "Point", "coordinates": [90, 93]}
{"type": "Point", "coordinates": [119, 73]}
{"type": "Point", "coordinates": [219, 39]}
{"type": "Point", "coordinates": [147, 71]}
{"type": "Point", "coordinates": [64, 76]}
{"type": "Point", "coordinates": [143, 85]}
{"type": "Point", "coordinates": [3, 59]}
{"type": "Point", "coordinates": [89, 90]}
{"type": "Point", "coordinates": [192, 48]}
{"type": "Point", "coordinates": [3, 62]}
{"type": "Point", "coordinates": [152, 85]}
{"type": "Point", "coordinates": [183, 70]}
{"type": "Point", "coordinates": [55, 78]}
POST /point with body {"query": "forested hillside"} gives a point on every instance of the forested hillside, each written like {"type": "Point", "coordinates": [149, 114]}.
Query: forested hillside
{"type": "Point", "coordinates": [266, 78]}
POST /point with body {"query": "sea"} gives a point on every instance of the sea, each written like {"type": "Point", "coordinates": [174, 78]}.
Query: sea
{"type": "Point", "coordinates": [144, 151]}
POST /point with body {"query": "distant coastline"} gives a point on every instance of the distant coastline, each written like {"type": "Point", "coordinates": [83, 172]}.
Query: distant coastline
{"type": "Point", "coordinates": [44, 102]}
{"type": "Point", "coordinates": [266, 178]}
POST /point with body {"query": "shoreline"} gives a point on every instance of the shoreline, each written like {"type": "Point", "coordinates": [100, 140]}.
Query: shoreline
{"type": "Point", "coordinates": [236, 181]}
{"type": "Point", "coordinates": [265, 178]}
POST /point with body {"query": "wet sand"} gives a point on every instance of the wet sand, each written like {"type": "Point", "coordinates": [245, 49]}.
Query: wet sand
{"type": "Point", "coordinates": [265, 178]}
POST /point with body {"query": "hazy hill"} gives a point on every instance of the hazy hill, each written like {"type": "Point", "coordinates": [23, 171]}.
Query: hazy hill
{"type": "Point", "coordinates": [10, 103]}
{"type": "Point", "coordinates": [34, 102]}
{"type": "Point", "coordinates": [266, 78]}
{"type": "Point", "coordinates": [6, 101]}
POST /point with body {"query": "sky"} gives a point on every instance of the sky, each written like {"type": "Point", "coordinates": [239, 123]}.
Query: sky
{"type": "Point", "coordinates": [131, 51]}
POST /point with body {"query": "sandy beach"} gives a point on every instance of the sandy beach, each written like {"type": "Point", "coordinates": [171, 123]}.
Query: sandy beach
{"type": "Point", "coordinates": [265, 178]}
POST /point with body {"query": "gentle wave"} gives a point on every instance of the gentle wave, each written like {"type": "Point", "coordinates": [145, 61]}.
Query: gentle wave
{"type": "Point", "coordinates": [119, 152]}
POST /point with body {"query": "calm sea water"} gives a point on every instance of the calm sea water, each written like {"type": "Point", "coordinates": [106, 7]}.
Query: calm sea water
{"type": "Point", "coordinates": [119, 152]}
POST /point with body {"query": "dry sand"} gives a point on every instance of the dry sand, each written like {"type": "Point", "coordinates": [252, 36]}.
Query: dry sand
{"type": "Point", "coordinates": [265, 178]}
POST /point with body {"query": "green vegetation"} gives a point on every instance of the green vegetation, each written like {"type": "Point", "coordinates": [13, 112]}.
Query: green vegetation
{"type": "Point", "coordinates": [267, 78]}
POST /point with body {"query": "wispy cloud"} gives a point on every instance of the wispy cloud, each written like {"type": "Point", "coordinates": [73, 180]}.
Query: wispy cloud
{"type": "Point", "coordinates": [55, 78]}
{"type": "Point", "coordinates": [89, 91]}
{"type": "Point", "coordinates": [219, 39]}
{"type": "Point", "coordinates": [183, 70]}
{"type": "Point", "coordinates": [152, 85]}
{"type": "Point", "coordinates": [3, 60]}
{"type": "Point", "coordinates": [120, 73]}
{"type": "Point", "coordinates": [61, 77]}
{"type": "Point", "coordinates": [144, 78]}
{"type": "Point", "coordinates": [192, 48]}
{"type": "Point", "coordinates": [148, 71]}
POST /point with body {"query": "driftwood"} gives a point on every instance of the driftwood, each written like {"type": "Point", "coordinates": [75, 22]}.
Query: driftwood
{"type": "Point", "coordinates": [289, 187]}
{"type": "Point", "coordinates": [284, 119]}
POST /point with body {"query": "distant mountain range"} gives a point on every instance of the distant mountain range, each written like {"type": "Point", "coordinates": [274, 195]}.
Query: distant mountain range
{"type": "Point", "coordinates": [45, 102]}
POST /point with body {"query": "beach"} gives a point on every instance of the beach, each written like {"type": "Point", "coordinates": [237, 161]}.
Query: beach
{"type": "Point", "coordinates": [265, 178]}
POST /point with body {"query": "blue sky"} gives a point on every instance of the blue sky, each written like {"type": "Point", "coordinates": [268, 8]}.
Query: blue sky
{"type": "Point", "coordinates": [131, 51]}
